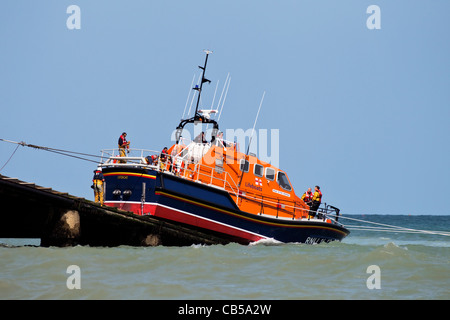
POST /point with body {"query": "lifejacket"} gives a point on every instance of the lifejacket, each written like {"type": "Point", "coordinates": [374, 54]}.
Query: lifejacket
{"type": "Point", "coordinates": [307, 196]}
{"type": "Point", "coordinates": [317, 196]}
{"type": "Point", "coordinates": [124, 142]}
{"type": "Point", "coordinates": [98, 176]}
{"type": "Point", "coordinates": [163, 156]}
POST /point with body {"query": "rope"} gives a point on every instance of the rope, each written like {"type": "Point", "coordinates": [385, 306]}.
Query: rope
{"type": "Point", "coordinates": [10, 157]}
{"type": "Point", "coordinates": [58, 151]}
{"type": "Point", "coordinates": [384, 227]}
{"type": "Point", "coordinates": [390, 228]}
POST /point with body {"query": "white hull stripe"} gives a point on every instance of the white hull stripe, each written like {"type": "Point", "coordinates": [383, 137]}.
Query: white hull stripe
{"type": "Point", "coordinates": [189, 214]}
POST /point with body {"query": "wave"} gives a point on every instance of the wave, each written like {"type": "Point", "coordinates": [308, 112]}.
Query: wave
{"type": "Point", "coordinates": [266, 242]}
{"type": "Point", "coordinates": [402, 241]}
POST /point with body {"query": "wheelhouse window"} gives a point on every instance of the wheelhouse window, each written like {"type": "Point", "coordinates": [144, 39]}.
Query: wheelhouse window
{"type": "Point", "coordinates": [258, 170]}
{"type": "Point", "coordinates": [219, 166]}
{"type": "Point", "coordinates": [283, 181]}
{"type": "Point", "coordinates": [244, 165]}
{"type": "Point", "coordinates": [270, 174]}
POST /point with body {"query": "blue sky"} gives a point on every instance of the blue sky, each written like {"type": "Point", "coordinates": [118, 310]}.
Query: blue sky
{"type": "Point", "coordinates": [362, 113]}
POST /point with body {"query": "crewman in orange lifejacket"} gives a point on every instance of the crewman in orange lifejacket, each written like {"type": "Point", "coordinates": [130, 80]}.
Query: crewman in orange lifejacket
{"type": "Point", "coordinates": [307, 197]}
{"type": "Point", "coordinates": [123, 145]}
{"type": "Point", "coordinates": [316, 201]}
{"type": "Point", "coordinates": [163, 159]}
{"type": "Point", "coordinates": [97, 185]}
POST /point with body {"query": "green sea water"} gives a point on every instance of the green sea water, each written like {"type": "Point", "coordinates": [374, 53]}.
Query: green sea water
{"type": "Point", "coordinates": [408, 266]}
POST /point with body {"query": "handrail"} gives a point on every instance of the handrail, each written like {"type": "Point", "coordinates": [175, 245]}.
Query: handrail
{"type": "Point", "coordinates": [115, 152]}
{"type": "Point", "coordinates": [199, 166]}
{"type": "Point", "coordinates": [140, 161]}
{"type": "Point", "coordinates": [199, 170]}
{"type": "Point", "coordinates": [223, 142]}
{"type": "Point", "coordinates": [326, 211]}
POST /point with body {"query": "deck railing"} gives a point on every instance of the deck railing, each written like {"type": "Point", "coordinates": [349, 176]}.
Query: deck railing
{"type": "Point", "coordinates": [179, 165]}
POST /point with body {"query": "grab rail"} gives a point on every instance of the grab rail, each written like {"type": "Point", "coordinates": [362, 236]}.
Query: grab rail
{"type": "Point", "coordinates": [139, 159]}
{"type": "Point", "coordinates": [113, 158]}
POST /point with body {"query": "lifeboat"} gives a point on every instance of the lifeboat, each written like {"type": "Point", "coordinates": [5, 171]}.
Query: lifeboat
{"type": "Point", "coordinates": [214, 187]}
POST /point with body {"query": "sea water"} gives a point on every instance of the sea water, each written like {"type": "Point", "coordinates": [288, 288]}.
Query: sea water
{"type": "Point", "coordinates": [365, 265]}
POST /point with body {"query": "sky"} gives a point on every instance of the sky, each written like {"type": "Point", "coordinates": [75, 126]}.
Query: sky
{"type": "Point", "coordinates": [362, 112]}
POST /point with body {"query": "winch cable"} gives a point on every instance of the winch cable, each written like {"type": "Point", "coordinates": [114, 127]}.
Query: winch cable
{"type": "Point", "coordinates": [380, 227]}
{"type": "Point", "coordinates": [10, 157]}
{"type": "Point", "coordinates": [388, 228]}
{"type": "Point", "coordinates": [54, 150]}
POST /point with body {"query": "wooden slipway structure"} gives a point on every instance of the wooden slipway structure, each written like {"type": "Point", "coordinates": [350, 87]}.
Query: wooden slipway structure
{"type": "Point", "coordinates": [60, 219]}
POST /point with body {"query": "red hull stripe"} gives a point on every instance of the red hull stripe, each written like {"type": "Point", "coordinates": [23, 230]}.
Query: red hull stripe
{"type": "Point", "coordinates": [243, 217]}
{"type": "Point", "coordinates": [170, 213]}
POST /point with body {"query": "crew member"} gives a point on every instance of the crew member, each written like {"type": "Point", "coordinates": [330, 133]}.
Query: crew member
{"type": "Point", "coordinates": [200, 138]}
{"type": "Point", "coordinates": [163, 159]}
{"type": "Point", "coordinates": [219, 140]}
{"type": "Point", "coordinates": [316, 201]}
{"type": "Point", "coordinates": [124, 146]}
{"type": "Point", "coordinates": [151, 160]}
{"type": "Point", "coordinates": [307, 197]}
{"type": "Point", "coordinates": [97, 185]}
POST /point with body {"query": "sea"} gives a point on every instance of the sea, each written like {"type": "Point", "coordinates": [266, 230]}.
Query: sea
{"type": "Point", "coordinates": [369, 264]}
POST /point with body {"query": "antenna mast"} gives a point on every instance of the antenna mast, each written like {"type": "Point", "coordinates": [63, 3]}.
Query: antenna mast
{"type": "Point", "coordinates": [203, 81]}
{"type": "Point", "coordinates": [205, 116]}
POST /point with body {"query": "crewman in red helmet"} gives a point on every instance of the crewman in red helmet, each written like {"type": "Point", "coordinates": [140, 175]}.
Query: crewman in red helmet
{"type": "Point", "coordinates": [124, 146]}
{"type": "Point", "coordinates": [97, 185]}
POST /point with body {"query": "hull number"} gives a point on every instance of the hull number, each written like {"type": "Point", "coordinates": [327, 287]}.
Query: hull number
{"type": "Point", "coordinates": [313, 240]}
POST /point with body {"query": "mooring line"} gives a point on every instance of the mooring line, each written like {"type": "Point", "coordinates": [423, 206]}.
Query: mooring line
{"type": "Point", "coordinates": [67, 153]}
{"type": "Point", "coordinates": [10, 157]}
{"type": "Point", "coordinates": [390, 228]}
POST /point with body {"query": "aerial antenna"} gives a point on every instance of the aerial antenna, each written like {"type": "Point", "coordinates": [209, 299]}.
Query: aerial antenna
{"type": "Point", "coordinates": [256, 119]}
{"type": "Point", "coordinates": [189, 94]}
{"type": "Point", "coordinates": [251, 137]}
{"type": "Point", "coordinates": [221, 95]}
{"type": "Point", "coordinates": [214, 97]}
{"type": "Point", "coordinates": [226, 85]}
{"type": "Point", "coordinates": [193, 96]}
{"type": "Point", "coordinates": [212, 103]}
